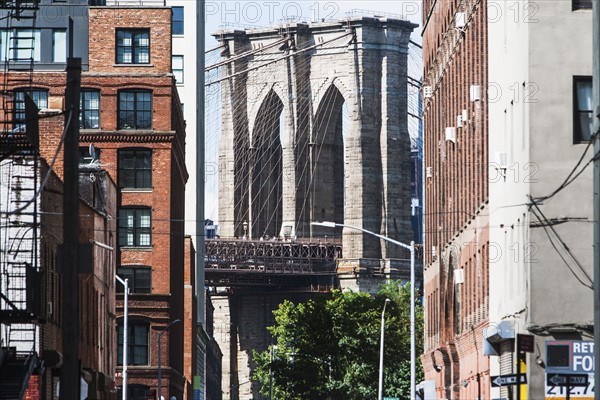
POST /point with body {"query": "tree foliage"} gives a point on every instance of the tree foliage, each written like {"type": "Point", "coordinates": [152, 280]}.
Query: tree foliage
{"type": "Point", "coordinates": [329, 347]}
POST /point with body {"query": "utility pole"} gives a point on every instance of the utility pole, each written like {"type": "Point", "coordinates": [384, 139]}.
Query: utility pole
{"type": "Point", "coordinates": [596, 126]}
{"type": "Point", "coordinates": [69, 377]}
{"type": "Point", "coordinates": [199, 374]}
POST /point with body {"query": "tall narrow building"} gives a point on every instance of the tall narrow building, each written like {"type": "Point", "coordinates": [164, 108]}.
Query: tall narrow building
{"type": "Point", "coordinates": [132, 138]}
{"type": "Point", "coordinates": [541, 195]}
{"type": "Point", "coordinates": [455, 115]}
{"type": "Point", "coordinates": [508, 278]}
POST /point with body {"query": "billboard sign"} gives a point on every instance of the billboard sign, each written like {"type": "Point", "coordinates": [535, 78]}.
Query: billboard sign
{"type": "Point", "coordinates": [569, 357]}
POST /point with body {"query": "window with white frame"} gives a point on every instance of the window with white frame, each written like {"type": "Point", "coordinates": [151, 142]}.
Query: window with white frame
{"type": "Point", "coordinates": [59, 45]}
{"type": "Point", "coordinates": [89, 107]}
{"type": "Point", "coordinates": [20, 45]}
{"type": "Point", "coordinates": [133, 46]}
{"type": "Point", "coordinates": [177, 66]}
{"type": "Point", "coordinates": [39, 97]}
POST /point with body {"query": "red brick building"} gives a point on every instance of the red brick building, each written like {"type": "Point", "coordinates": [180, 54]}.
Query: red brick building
{"type": "Point", "coordinates": [139, 130]}
{"type": "Point", "coordinates": [456, 222]}
{"type": "Point", "coordinates": [131, 113]}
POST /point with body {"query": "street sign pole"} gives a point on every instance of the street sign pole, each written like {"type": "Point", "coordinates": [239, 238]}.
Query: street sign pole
{"type": "Point", "coordinates": [519, 355]}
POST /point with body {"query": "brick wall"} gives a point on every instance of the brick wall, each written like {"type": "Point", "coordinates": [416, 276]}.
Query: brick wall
{"type": "Point", "coordinates": [104, 22]}
{"type": "Point", "coordinates": [456, 196]}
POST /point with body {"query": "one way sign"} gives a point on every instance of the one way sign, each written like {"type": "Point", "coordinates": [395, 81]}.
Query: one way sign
{"type": "Point", "coordinates": [508, 380]}
{"type": "Point", "coordinates": [571, 380]}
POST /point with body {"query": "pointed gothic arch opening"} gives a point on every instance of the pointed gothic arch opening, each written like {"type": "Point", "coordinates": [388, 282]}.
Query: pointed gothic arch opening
{"type": "Point", "coordinates": [327, 152]}
{"type": "Point", "coordinates": [266, 169]}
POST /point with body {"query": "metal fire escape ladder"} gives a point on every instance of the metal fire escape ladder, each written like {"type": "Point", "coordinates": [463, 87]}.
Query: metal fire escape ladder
{"type": "Point", "coordinates": [20, 277]}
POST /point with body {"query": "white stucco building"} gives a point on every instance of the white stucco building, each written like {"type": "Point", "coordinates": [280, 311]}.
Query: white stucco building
{"type": "Point", "coordinates": [539, 95]}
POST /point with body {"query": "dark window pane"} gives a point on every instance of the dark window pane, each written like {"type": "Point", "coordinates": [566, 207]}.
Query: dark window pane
{"type": "Point", "coordinates": [582, 109]}
{"type": "Point", "coordinates": [135, 169]}
{"type": "Point", "coordinates": [582, 4]}
{"type": "Point", "coordinates": [177, 22]}
{"type": "Point", "coordinates": [135, 109]}
{"type": "Point", "coordinates": [139, 279]}
{"type": "Point", "coordinates": [137, 346]}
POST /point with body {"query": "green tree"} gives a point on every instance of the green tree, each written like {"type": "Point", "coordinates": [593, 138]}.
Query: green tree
{"type": "Point", "coordinates": [329, 347]}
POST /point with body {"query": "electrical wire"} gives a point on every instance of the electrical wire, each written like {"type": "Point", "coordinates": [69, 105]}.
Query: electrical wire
{"type": "Point", "coordinates": [541, 219]}
{"type": "Point", "coordinates": [571, 177]}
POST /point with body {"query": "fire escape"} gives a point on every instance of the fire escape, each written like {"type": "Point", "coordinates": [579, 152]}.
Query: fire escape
{"type": "Point", "coordinates": [20, 275]}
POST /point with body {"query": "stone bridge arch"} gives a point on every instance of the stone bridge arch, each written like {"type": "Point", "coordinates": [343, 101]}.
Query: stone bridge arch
{"type": "Point", "coordinates": [361, 180]}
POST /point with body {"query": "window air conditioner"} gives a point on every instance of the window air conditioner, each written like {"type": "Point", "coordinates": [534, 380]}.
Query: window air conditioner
{"type": "Point", "coordinates": [459, 20]}
{"type": "Point", "coordinates": [451, 134]}
{"type": "Point", "coordinates": [475, 92]}
{"type": "Point", "coordinates": [427, 92]}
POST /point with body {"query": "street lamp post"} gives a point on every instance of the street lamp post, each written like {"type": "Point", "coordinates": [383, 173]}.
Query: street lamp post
{"type": "Point", "coordinates": [410, 247]}
{"type": "Point", "coordinates": [125, 283]}
{"type": "Point", "coordinates": [380, 390]}
{"type": "Point", "coordinates": [159, 362]}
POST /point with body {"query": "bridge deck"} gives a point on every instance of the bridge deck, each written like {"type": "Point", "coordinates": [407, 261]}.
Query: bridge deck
{"type": "Point", "coordinates": [270, 263]}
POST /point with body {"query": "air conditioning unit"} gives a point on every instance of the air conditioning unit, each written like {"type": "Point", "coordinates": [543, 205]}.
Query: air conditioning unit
{"type": "Point", "coordinates": [459, 121]}
{"type": "Point", "coordinates": [49, 309]}
{"type": "Point", "coordinates": [465, 115]}
{"type": "Point", "coordinates": [459, 276]}
{"type": "Point", "coordinates": [429, 172]}
{"type": "Point", "coordinates": [427, 92]}
{"type": "Point", "coordinates": [459, 20]}
{"type": "Point", "coordinates": [451, 134]}
{"type": "Point", "coordinates": [501, 159]}
{"type": "Point", "coordinates": [475, 92]}
{"type": "Point", "coordinates": [433, 252]}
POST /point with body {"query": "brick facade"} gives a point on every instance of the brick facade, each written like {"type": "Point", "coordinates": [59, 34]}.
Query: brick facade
{"type": "Point", "coordinates": [456, 222]}
{"type": "Point", "coordinates": [166, 140]}
{"type": "Point", "coordinates": [100, 311]}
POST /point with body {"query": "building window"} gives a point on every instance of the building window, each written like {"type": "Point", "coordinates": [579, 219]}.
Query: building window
{"type": "Point", "coordinates": [137, 343]}
{"type": "Point", "coordinates": [139, 279]}
{"type": "Point", "coordinates": [177, 21]}
{"type": "Point", "coordinates": [20, 45]}
{"type": "Point", "coordinates": [86, 158]}
{"type": "Point", "coordinates": [89, 105]}
{"type": "Point", "coordinates": [39, 97]}
{"type": "Point", "coordinates": [133, 46]}
{"type": "Point", "coordinates": [581, 4]}
{"type": "Point", "coordinates": [59, 46]}
{"type": "Point", "coordinates": [137, 392]}
{"type": "Point", "coordinates": [177, 62]}
{"type": "Point", "coordinates": [135, 169]}
{"type": "Point", "coordinates": [135, 109]}
{"type": "Point", "coordinates": [135, 226]}
{"type": "Point", "coordinates": [582, 108]}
